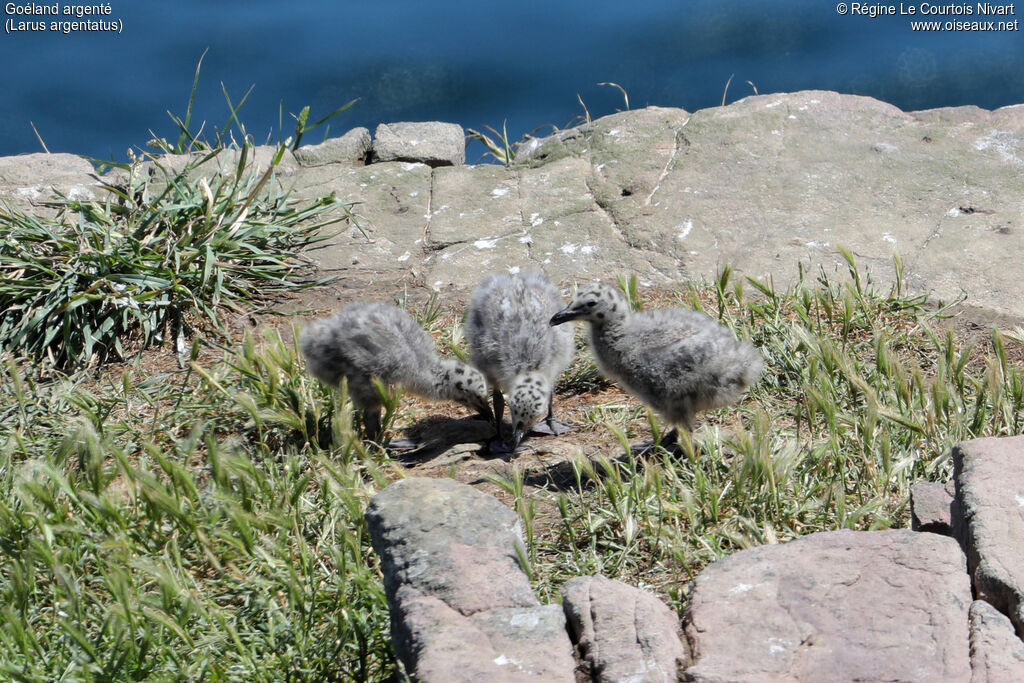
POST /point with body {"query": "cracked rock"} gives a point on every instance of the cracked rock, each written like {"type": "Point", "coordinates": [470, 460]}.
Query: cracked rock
{"type": "Point", "coordinates": [462, 609]}
{"type": "Point", "coordinates": [990, 485]}
{"type": "Point", "coordinates": [624, 633]}
{"type": "Point", "coordinates": [997, 654]}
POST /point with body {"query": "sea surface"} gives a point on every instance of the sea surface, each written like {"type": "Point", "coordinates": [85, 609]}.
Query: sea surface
{"type": "Point", "coordinates": [518, 66]}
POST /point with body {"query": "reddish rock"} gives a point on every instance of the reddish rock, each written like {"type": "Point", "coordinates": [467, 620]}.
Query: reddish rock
{"type": "Point", "coordinates": [997, 654]}
{"type": "Point", "coordinates": [931, 507]}
{"type": "Point", "coordinates": [990, 488]}
{"type": "Point", "coordinates": [836, 606]}
{"type": "Point", "coordinates": [509, 644]}
{"type": "Point", "coordinates": [624, 633]}
{"type": "Point", "coordinates": [462, 609]}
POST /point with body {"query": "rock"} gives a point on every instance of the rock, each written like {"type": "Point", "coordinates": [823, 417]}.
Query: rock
{"type": "Point", "coordinates": [624, 633]}
{"type": "Point", "coordinates": [505, 644]}
{"type": "Point", "coordinates": [452, 542]}
{"type": "Point", "coordinates": [930, 507]}
{"type": "Point", "coordinates": [672, 195]}
{"type": "Point", "coordinates": [997, 654]}
{"type": "Point", "coordinates": [835, 606]}
{"type": "Point", "coordinates": [30, 179]}
{"type": "Point", "coordinates": [531, 642]}
{"type": "Point", "coordinates": [990, 485]}
{"type": "Point", "coordinates": [352, 147]}
{"type": "Point", "coordinates": [462, 609]}
{"type": "Point", "coordinates": [207, 164]}
{"type": "Point", "coordinates": [390, 202]}
{"type": "Point", "coordinates": [432, 143]}
{"type": "Point", "coordinates": [472, 203]}
{"type": "Point", "coordinates": [257, 160]}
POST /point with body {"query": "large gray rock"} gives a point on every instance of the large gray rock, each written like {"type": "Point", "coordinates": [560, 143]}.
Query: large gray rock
{"type": "Point", "coordinates": [226, 162]}
{"type": "Point", "coordinates": [462, 609]}
{"type": "Point", "coordinates": [990, 486]}
{"type": "Point", "coordinates": [350, 148]}
{"type": "Point", "coordinates": [385, 243]}
{"type": "Point", "coordinates": [31, 179]}
{"type": "Point", "coordinates": [671, 195]}
{"type": "Point", "coordinates": [451, 541]}
{"type": "Point", "coordinates": [837, 606]}
{"type": "Point", "coordinates": [997, 654]}
{"type": "Point", "coordinates": [429, 142]}
{"type": "Point", "coordinates": [624, 633]}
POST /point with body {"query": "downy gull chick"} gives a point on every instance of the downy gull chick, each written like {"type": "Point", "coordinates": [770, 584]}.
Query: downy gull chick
{"type": "Point", "coordinates": [521, 355]}
{"type": "Point", "coordinates": [676, 361]}
{"type": "Point", "coordinates": [372, 340]}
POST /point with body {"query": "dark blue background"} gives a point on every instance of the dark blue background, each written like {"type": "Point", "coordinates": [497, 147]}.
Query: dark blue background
{"type": "Point", "coordinates": [474, 63]}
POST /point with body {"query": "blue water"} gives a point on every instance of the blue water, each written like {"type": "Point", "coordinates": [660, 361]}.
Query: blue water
{"type": "Point", "coordinates": [474, 63]}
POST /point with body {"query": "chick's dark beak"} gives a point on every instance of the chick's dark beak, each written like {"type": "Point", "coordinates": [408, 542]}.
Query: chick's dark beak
{"type": "Point", "coordinates": [563, 316]}
{"type": "Point", "coordinates": [517, 437]}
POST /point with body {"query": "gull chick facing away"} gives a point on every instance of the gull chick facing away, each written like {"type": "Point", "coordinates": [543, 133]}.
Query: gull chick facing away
{"type": "Point", "coordinates": [521, 355]}
{"type": "Point", "coordinates": [367, 341]}
{"type": "Point", "coordinates": [678, 362]}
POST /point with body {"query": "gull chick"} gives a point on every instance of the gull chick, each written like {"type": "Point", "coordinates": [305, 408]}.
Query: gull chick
{"type": "Point", "coordinates": [367, 341]}
{"type": "Point", "coordinates": [521, 355]}
{"type": "Point", "coordinates": [678, 362]}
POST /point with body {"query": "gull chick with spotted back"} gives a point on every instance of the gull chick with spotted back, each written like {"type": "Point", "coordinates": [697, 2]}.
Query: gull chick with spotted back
{"type": "Point", "coordinates": [678, 362]}
{"type": "Point", "coordinates": [367, 341]}
{"type": "Point", "coordinates": [521, 355]}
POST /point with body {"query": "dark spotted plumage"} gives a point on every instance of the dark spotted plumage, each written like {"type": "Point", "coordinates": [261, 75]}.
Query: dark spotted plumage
{"type": "Point", "coordinates": [678, 362]}
{"type": "Point", "coordinates": [519, 353]}
{"type": "Point", "coordinates": [371, 340]}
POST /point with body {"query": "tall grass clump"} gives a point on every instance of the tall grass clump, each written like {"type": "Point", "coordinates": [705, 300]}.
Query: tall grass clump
{"type": "Point", "coordinates": [164, 250]}
{"type": "Point", "coordinates": [203, 525]}
{"type": "Point", "coordinates": [192, 139]}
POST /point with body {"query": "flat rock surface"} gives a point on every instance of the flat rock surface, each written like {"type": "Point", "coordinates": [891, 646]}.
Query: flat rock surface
{"type": "Point", "coordinates": [990, 486]}
{"type": "Point", "coordinates": [672, 195]}
{"type": "Point", "coordinates": [836, 606]}
{"type": "Point", "coordinates": [504, 644]}
{"type": "Point", "coordinates": [450, 541]}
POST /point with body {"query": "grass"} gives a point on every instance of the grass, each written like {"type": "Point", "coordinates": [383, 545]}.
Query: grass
{"type": "Point", "coordinates": [206, 522]}
{"type": "Point", "coordinates": [153, 258]}
{"type": "Point", "coordinates": [199, 525]}
{"type": "Point", "coordinates": [864, 393]}
{"type": "Point", "coordinates": [191, 139]}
